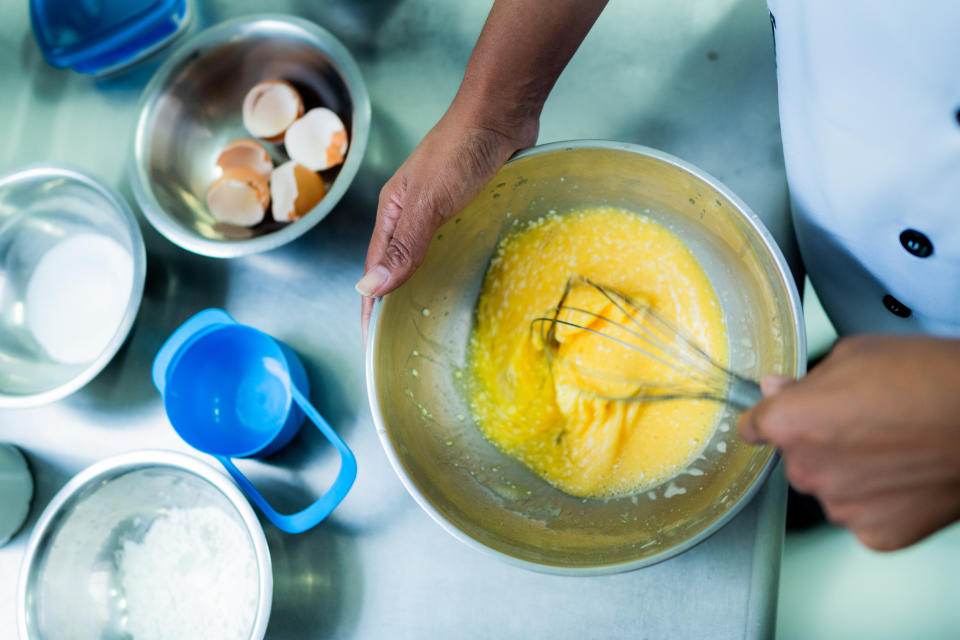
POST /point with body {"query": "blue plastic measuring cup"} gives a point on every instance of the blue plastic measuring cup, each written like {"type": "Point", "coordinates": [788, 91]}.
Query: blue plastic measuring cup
{"type": "Point", "coordinates": [234, 392]}
{"type": "Point", "coordinates": [100, 37]}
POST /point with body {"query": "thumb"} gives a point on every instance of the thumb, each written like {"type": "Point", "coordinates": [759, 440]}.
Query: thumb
{"type": "Point", "coordinates": [751, 422]}
{"type": "Point", "coordinates": [398, 245]}
{"type": "Point", "coordinates": [408, 246]}
{"type": "Point", "coordinates": [771, 385]}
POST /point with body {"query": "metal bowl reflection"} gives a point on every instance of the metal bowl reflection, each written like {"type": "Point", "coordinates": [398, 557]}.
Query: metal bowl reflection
{"type": "Point", "coordinates": [491, 501]}
{"type": "Point", "coordinates": [191, 109]}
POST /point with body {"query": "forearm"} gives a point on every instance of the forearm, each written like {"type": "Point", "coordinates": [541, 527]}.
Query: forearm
{"type": "Point", "coordinates": [523, 48]}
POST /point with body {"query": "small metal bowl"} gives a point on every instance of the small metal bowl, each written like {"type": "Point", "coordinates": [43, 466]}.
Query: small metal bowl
{"type": "Point", "coordinates": [417, 349]}
{"type": "Point", "coordinates": [70, 584]}
{"type": "Point", "coordinates": [41, 206]}
{"type": "Point", "coordinates": [191, 109]}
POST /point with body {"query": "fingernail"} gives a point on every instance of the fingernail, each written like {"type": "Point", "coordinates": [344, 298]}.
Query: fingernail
{"type": "Point", "coordinates": [372, 281]}
{"type": "Point", "coordinates": [772, 384]}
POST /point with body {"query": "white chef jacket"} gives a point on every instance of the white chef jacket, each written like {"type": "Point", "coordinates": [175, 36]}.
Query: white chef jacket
{"type": "Point", "coordinates": [870, 118]}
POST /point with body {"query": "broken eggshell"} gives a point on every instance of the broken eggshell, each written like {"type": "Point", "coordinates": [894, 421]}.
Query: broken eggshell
{"type": "Point", "coordinates": [269, 108]}
{"type": "Point", "coordinates": [240, 196]}
{"type": "Point", "coordinates": [295, 190]}
{"type": "Point", "coordinates": [318, 140]}
{"type": "Point", "coordinates": [248, 153]}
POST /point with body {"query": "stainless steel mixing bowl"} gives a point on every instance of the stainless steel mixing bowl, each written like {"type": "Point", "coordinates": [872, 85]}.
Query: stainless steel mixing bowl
{"type": "Point", "coordinates": [417, 351]}
{"type": "Point", "coordinates": [191, 109]}
{"type": "Point", "coordinates": [40, 207]}
{"type": "Point", "coordinates": [70, 584]}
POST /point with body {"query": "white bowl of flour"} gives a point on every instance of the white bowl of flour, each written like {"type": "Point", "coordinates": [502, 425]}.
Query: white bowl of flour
{"type": "Point", "coordinates": [72, 268]}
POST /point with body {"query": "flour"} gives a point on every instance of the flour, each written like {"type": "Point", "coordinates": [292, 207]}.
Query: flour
{"type": "Point", "coordinates": [194, 575]}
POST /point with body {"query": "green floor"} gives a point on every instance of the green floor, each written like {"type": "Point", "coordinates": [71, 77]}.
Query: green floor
{"type": "Point", "coordinates": [832, 588]}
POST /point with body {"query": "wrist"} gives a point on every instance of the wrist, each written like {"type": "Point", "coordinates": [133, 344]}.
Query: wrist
{"type": "Point", "coordinates": [511, 113]}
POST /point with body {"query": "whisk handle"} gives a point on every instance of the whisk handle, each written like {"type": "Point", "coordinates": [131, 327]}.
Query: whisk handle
{"type": "Point", "coordinates": [744, 394]}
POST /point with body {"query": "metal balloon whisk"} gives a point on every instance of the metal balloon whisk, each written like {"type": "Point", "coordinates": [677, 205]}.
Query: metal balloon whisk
{"type": "Point", "coordinates": [673, 365]}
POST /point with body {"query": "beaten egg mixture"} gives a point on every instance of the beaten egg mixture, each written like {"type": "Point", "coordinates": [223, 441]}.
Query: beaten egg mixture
{"type": "Point", "coordinates": [535, 407]}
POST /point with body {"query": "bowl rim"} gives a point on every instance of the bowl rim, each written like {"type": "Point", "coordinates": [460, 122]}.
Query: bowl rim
{"type": "Point", "coordinates": [139, 256]}
{"type": "Point", "coordinates": [132, 461]}
{"type": "Point", "coordinates": [786, 280]}
{"type": "Point", "coordinates": [218, 35]}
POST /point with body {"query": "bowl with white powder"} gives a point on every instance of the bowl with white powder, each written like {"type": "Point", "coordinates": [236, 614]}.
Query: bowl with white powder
{"type": "Point", "coordinates": [72, 268]}
{"type": "Point", "coordinates": [149, 545]}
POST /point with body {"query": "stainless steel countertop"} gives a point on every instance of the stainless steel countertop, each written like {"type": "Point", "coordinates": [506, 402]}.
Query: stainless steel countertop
{"type": "Point", "coordinates": [695, 79]}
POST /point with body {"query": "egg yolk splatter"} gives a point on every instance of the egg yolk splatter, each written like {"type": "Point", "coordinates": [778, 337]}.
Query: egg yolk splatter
{"type": "Point", "coordinates": [552, 416]}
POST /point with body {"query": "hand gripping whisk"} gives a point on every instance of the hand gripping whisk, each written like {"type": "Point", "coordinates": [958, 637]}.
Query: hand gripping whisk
{"type": "Point", "coordinates": [672, 366]}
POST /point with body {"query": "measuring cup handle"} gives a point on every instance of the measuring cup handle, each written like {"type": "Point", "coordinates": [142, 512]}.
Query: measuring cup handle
{"type": "Point", "coordinates": [199, 322]}
{"type": "Point", "coordinates": [312, 515]}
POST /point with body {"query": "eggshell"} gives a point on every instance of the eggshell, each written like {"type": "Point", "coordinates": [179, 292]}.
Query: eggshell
{"type": "Point", "coordinates": [248, 153]}
{"type": "Point", "coordinates": [295, 190]}
{"type": "Point", "coordinates": [269, 108]}
{"type": "Point", "coordinates": [240, 196]}
{"type": "Point", "coordinates": [318, 140]}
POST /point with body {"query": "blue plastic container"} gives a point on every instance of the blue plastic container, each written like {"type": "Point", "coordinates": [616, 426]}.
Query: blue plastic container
{"type": "Point", "coordinates": [234, 392]}
{"type": "Point", "coordinates": [98, 37]}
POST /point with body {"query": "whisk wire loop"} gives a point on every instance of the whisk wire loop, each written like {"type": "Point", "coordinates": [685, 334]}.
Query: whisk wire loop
{"type": "Point", "coordinates": [655, 338]}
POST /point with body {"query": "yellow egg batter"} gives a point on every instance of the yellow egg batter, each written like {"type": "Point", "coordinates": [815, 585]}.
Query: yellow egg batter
{"type": "Point", "coordinates": [551, 416]}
